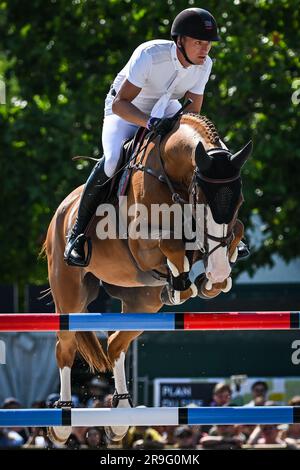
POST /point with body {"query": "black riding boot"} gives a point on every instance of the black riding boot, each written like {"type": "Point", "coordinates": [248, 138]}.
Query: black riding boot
{"type": "Point", "coordinates": [93, 195]}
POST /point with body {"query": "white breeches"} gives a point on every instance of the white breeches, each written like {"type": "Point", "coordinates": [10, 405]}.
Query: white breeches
{"type": "Point", "coordinates": [115, 130]}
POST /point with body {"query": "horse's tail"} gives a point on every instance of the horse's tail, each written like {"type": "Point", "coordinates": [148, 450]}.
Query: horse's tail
{"type": "Point", "coordinates": [88, 344]}
{"type": "Point", "coordinates": [91, 350]}
{"type": "Point", "coordinates": [43, 251]}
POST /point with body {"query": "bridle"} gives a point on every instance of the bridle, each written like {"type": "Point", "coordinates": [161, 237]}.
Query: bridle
{"type": "Point", "coordinates": [226, 240]}
{"type": "Point", "coordinates": [193, 193]}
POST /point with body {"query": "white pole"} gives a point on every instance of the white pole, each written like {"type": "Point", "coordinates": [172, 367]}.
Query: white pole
{"type": "Point", "coordinates": [125, 417]}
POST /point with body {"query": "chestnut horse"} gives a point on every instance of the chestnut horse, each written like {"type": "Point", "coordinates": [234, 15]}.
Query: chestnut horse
{"type": "Point", "coordinates": [190, 165]}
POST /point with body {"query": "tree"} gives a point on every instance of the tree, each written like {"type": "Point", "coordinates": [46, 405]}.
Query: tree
{"type": "Point", "coordinates": [58, 60]}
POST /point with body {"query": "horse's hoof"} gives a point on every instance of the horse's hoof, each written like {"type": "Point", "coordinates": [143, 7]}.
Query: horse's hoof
{"type": "Point", "coordinates": [176, 297]}
{"type": "Point", "coordinates": [119, 400]}
{"type": "Point", "coordinates": [203, 293]}
{"type": "Point", "coordinates": [115, 433]}
{"type": "Point", "coordinates": [165, 296]}
{"type": "Point", "coordinates": [59, 435]}
{"type": "Point", "coordinates": [228, 285]}
{"type": "Point", "coordinates": [194, 290]}
{"type": "Point", "coordinates": [171, 297]}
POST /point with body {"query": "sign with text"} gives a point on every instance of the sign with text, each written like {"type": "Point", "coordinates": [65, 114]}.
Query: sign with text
{"type": "Point", "coordinates": [182, 392]}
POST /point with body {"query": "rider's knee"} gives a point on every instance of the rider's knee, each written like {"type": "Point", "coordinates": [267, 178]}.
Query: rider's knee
{"type": "Point", "coordinates": [110, 165]}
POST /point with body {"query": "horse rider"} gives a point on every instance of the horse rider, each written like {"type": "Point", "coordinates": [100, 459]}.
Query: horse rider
{"type": "Point", "coordinates": [146, 93]}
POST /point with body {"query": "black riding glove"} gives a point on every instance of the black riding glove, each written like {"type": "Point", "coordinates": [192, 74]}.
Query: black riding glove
{"type": "Point", "coordinates": [160, 126]}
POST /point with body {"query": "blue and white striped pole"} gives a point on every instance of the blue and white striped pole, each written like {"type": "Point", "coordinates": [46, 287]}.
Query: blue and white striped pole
{"type": "Point", "coordinates": [149, 416]}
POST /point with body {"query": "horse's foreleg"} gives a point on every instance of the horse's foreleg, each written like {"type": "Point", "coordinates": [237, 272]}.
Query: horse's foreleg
{"type": "Point", "coordinates": [66, 347]}
{"type": "Point", "coordinates": [179, 265]}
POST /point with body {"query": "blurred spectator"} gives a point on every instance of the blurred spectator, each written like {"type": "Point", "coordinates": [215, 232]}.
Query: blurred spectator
{"type": "Point", "coordinates": [221, 395]}
{"type": "Point", "coordinates": [185, 438]}
{"type": "Point", "coordinates": [291, 431]}
{"type": "Point", "coordinates": [73, 443]}
{"type": "Point", "coordinates": [51, 399]}
{"type": "Point", "coordinates": [167, 433]}
{"type": "Point", "coordinates": [107, 400]}
{"type": "Point", "coordinates": [295, 401]}
{"type": "Point", "coordinates": [10, 438]}
{"type": "Point", "coordinates": [11, 403]}
{"type": "Point", "coordinates": [138, 445]}
{"type": "Point", "coordinates": [247, 430]}
{"type": "Point", "coordinates": [144, 433]}
{"type": "Point", "coordinates": [270, 403]}
{"type": "Point", "coordinates": [75, 401]}
{"type": "Point", "coordinates": [38, 404]}
{"type": "Point", "coordinates": [269, 434]}
{"type": "Point", "coordinates": [95, 438]}
{"type": "Point", "coordinates": [259, 392]}
{"type": "Point", "coordinates": [223, 437]}
{"type": "Point", "coordinates": [147, 444]}
{"type": "Point", "coordinates": [38, 438]}
{"type": "Point", "coordinates": [97, 389]}
{"type": "Point", "coordinates": [99, 404]}
{"type": "Point", "coordinates": [80, 434]}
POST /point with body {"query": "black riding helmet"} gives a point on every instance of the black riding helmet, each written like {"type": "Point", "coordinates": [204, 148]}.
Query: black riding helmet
{"type": "Point", "coordinates": [195, 23]}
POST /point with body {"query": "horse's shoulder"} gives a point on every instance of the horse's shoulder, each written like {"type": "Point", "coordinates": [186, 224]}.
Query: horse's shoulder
{"type": "Point", "coordinates": [70, 201]}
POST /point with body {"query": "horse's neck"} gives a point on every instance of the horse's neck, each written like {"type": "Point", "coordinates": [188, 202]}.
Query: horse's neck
{"type": "Point", "coordinates": [179, 153]}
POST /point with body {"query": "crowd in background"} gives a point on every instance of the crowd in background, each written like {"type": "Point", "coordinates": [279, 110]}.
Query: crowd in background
{"type": "Point", "coordinates": [160, 437]}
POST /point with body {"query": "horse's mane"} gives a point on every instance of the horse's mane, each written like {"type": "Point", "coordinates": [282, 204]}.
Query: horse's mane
{"type": "Point", "coordinates": [203, 125]}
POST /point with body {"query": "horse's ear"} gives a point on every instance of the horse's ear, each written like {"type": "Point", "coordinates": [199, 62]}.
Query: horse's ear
{"type": "Point", "coordinates": [203, 161]}
{"type": "Point", "coordinates": [239, 158]}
